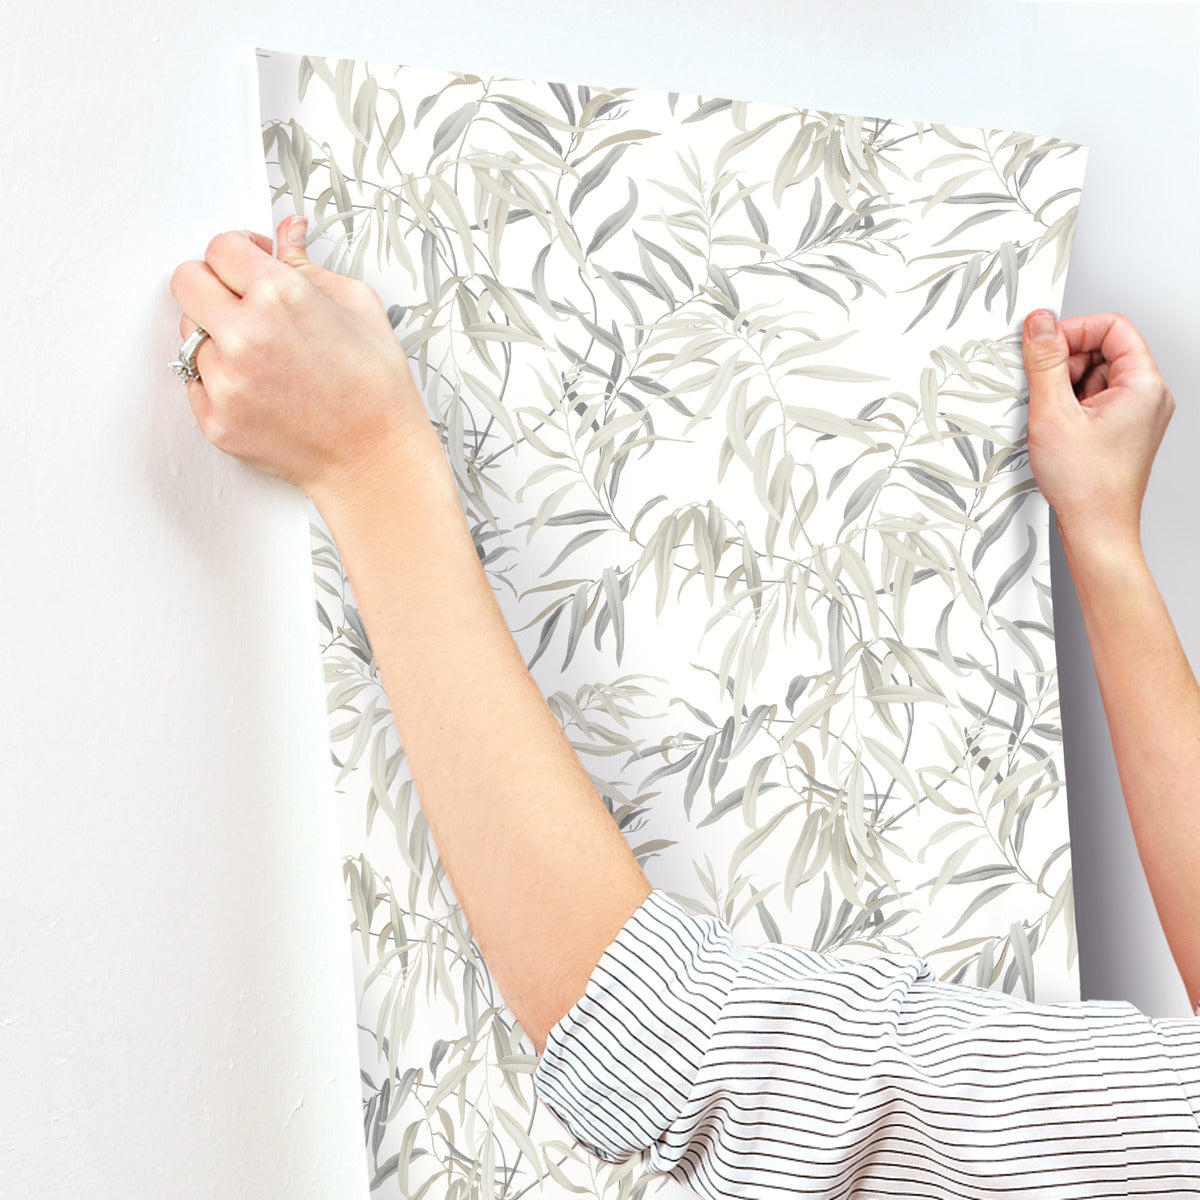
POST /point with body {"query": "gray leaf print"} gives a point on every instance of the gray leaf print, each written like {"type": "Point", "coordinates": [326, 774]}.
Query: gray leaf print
{"type": "Point", "coordinates": [738, 426]}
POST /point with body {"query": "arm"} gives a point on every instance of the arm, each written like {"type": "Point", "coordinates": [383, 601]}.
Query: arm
{"type": "Point", "coordinates": [302, 377]}
{"type": "Point", "coordinates": [544, 876]}
{"type": "Point", "coordinates": [1152, 703]}
{"type": "Point", "coordinates": [1098, 410]}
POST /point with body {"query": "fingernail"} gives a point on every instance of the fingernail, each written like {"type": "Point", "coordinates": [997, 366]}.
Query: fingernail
{"type": "Point", "coordinates": [1041, 324]}
{"type": "Point", "coordinates": [297, 230]}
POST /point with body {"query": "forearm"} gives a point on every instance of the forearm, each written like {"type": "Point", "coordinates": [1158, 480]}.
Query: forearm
{"type": "Point", "coordinates": [1152, 702]}
{"type": "Point", "coordinates": [544, 876]}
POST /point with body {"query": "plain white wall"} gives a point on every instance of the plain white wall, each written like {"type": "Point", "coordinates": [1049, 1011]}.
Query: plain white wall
{"type": "Point", "coordinates": [176, 1004]}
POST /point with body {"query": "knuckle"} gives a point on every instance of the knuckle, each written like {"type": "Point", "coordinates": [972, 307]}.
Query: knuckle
{"type": "Point", "coordinates": [261, 290]}
{"type": "Point", "coordinates": [1043, 356]}
{"type": "Point", "coordinates": [214, 429]}
{"type": "Point", "coordinates": [211, 417]}
{"type": "Point", "coordinates": [1132, 332]}
{"type": "Point", "coordinates": [282, 291]}
{"type": "Point", "coordinates": [181, 275]}
{"type": "Point", "coordinates": [369, 296]}
{"type": "Point", "coordinates": [266, 290]}
{"type": "Point", "coordinates": [215, 243]}
{"type": "Point", "coordinates": [291, 288]}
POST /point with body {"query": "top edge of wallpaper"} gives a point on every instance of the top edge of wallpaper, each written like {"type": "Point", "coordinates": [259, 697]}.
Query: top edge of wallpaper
{"type": "Point", "coordinates": [704, 98]}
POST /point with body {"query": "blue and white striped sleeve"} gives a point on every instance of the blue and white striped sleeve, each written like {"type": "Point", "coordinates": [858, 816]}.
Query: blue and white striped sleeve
{"type": "Point", "coordinates": [779, 1071]}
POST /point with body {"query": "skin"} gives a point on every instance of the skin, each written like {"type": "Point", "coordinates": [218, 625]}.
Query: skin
{"type": "Point", "coordinates": [304, 379]}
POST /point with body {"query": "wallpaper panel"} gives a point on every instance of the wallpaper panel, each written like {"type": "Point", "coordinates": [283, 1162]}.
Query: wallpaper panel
{"type": "Point", "coordinates": [734, 399]}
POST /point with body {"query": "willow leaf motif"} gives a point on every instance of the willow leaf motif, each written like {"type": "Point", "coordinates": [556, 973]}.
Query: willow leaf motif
{"type": "Point", "coordinates": [1015, 570]}
{"type": "Point", "coordinates": [793, 624]}
{"type": "Point", "coordinates": [616, 221]}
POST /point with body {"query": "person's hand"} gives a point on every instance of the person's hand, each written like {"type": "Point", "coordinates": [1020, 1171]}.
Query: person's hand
{"type": "Point", "coordinates": [1098, 409]}
{"type": "Point", "coordinates": [302, 375]}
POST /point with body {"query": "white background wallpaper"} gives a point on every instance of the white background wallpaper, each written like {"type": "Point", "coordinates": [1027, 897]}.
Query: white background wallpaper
{"type": "Point", "coordinates": [175, 991]}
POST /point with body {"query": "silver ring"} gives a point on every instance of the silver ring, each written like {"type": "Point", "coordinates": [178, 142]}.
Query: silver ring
{"type": "Point", "coordinates": [185, 366]}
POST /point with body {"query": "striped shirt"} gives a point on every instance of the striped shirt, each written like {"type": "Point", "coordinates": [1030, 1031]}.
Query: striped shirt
{"type": "Point", "coordinates": [777, 1071]}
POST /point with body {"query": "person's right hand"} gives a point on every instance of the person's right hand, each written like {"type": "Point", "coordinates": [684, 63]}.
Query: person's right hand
{"type": "Point", "coordinates": [302, 375]}
{"type": "Point", "coordinates": [1098, 409]}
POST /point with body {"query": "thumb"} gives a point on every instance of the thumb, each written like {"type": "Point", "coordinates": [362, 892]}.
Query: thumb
{"type": "Point", "coordinates": [290, 241]}
{"type": "Point", "coordinates": [1047, 359]}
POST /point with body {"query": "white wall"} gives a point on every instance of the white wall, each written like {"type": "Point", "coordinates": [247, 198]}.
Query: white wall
{"type": "Point", "coordinates": [176, 1008]}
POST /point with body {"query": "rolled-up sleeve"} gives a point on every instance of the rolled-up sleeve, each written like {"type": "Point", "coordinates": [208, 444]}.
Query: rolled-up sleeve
{"type": "Point", "coordinates": [779, 1071]}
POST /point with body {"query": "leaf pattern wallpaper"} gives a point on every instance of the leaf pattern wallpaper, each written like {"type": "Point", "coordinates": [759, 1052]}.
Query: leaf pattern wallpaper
{"type": "Point", "coordinates": [734, 397]}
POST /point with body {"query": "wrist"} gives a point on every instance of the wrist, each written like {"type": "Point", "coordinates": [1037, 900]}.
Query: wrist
{"type": "Point", "coordinates": [409, 460]}
{"type": "Point", "coordinates": [1091, 548]}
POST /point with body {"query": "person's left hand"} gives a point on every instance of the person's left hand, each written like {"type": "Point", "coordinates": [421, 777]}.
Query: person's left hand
{"type": "Point", "coordinates": [302, 375]}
